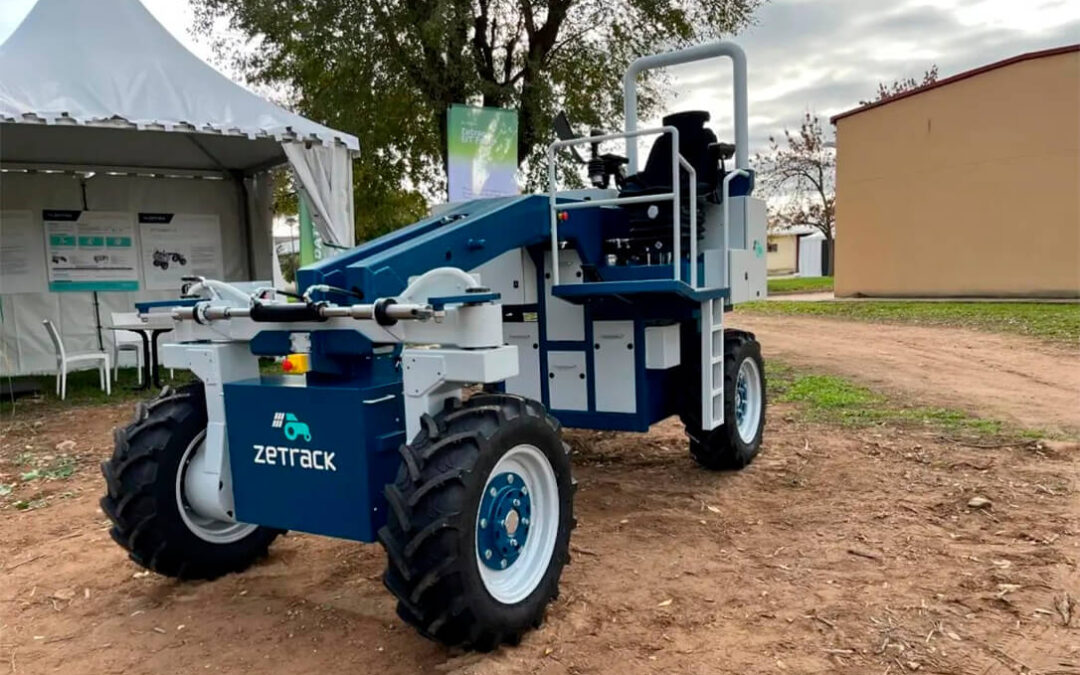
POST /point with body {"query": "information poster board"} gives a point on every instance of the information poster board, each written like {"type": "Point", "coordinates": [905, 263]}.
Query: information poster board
{"type": "Point", "coordinates": [22, 248]}
{"type": "Point", "coordinates": [482, 152]}
{"type": "Point", "coordinates": [90, 250]}
{"type": "Point", "coordinates": [177, 245]}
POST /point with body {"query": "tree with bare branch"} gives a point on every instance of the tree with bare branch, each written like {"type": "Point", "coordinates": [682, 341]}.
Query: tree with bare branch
{"type": "Point", "coordinates": [798, 174]}
{"type": "Point", "coordinates": [902, 86]}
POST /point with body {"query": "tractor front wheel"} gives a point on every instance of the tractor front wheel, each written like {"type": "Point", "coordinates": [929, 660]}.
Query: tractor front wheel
{"type": "Point", "coordinates": [480, 520]}
{"type": "Point", "coordinates": [146, 500]}
{"type": "Point", "coordinates": [736, 442]}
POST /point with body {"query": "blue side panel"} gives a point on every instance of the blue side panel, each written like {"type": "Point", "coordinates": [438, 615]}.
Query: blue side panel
{"type": "Point", "coordinates": [314, 458]}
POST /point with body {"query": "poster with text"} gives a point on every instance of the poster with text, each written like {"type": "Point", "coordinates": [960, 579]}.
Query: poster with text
{"type": "Point", "coordinates": [90, 250]}
{"type": "Point", "coordinates": [22, 248]}
{"type": "Point", "coordinates": [481, 152]}
{"type": "Point", "coordinates": [178, 245]}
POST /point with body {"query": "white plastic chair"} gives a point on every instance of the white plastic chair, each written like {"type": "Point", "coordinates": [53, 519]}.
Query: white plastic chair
{"type": "Point", "coordinates": [63, 360]}
{"type": "Point", "coordinates": [126, 341]}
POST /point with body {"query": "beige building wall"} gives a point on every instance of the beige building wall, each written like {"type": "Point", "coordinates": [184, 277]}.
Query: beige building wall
{"type": "Point", "coordinates": [784, 260]}
{"type": "Point", "coordinates": [968, 189]}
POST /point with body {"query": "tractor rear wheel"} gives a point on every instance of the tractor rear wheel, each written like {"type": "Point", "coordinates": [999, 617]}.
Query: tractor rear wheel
{"type": "Point", "coordinates": [735, 443]}
{"type": "Point", "coordinates": [146, 503]}
{"type": "Point", "coordinates": [480, 520]}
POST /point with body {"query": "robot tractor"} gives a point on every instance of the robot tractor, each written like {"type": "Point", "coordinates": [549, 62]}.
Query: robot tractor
{"type": "Point", "coordinates": [600, 308]}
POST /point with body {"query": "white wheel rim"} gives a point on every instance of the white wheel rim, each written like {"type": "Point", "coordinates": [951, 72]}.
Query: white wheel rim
{"type": "Point", "coordinates": [522, 577]}
{"type": "Point", "coordinates": [748, 400]}
{"type": "Point", "coordinates": [205, 528]}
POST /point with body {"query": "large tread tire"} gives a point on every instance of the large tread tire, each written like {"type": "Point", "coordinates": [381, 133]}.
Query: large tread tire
{"type": "Point", "coordinates": [141, 499]}
{"type": "Point", "coordinates": [430, 538]}
{"type": "Point", "coordinates": [723, 449]}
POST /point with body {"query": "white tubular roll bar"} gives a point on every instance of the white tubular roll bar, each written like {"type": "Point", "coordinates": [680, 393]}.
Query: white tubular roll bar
{"type": "Point", "coordinates": [701, 52]}
{"type": "Point", "coordinates": [677, 160]}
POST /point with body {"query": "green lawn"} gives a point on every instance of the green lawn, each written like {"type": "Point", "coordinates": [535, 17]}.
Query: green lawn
{"type": "Point", "coordinates": [1057, 322]}
{"type": "Point", "coordinates": [835, 400]}
{"type": "Point", "coordinates": [800, 285]}
{"type": "Point", "coordinates": [83, 388]}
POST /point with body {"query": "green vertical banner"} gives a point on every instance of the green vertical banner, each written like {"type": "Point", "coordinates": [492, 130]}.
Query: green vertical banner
{"type": "Point", "coordinates": [311, 246]}
{"type": "Point", "coordinates": [481, 152]}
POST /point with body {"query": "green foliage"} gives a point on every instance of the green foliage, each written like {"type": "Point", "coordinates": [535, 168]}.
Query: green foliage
{"type": "Point", "coordinates": [387, 70]}
{"type": "Point", "coordinates": [1057, 322]}
{"type": "Point", "coordinates": [800, 285]}
{"type": "Point", "coordinates": [289, 262]}
{"type": "Point", "coordinates": [53, 468]}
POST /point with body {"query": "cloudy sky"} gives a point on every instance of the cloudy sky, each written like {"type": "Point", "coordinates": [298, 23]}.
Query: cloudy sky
{"type": "Point", "coordinates": [817, 55]}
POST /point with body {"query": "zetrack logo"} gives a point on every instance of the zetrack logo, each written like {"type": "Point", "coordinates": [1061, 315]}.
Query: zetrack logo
{"type": "Point", "coordinates": [293, 428]}
{"type": "Point", "coordinates": [318, 460]}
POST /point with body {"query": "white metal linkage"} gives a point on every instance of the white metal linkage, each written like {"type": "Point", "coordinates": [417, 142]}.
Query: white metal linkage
{"type": "Point", "coordinates": [677, 160]}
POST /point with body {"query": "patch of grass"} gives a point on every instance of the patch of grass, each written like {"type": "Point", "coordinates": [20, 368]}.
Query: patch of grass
{"type": "Point", "coordinates": [1057, 322]}
{"type": "Point", "coordinates": [83, 389]}
{"type": "Point", "coordinates": [835, 400]}
{"type": "Point", "coordinates": [35, 484]}
{"type": "Point", "coordinates": [800, 285]}
{"type": "Point", "coordinates": [50, 468]}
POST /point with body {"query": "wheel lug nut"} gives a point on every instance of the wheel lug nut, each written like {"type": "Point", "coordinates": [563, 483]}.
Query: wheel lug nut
{"type": "Point", "coordinates": [513, 542]}
{"type": "Point", "coordinates": [517, 502]}
{"type": "Point", "coordinates": [524, 521]}
{"type": "Point", "coordinates": [503, 563]}
{"type": "Point", "coordinates": [493, 492]}
{"type": "Point", "coordinates": [487, 554]}
{"type": "Point", "coordinates": [483, 522]}
{"type": "Point", "coordinates": [510, 478]}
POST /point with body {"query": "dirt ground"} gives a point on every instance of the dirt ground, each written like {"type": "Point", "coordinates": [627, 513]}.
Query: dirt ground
{"type": "Point", "coordinates": [838, 551]}
{"type": "Point", "coordinates": [1020, 380]}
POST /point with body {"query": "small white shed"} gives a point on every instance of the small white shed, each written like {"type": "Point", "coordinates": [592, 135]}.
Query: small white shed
{"type": "Point", "coordinates": [812, 254]}
{"type": "Point", "coordinates": [125, 162]}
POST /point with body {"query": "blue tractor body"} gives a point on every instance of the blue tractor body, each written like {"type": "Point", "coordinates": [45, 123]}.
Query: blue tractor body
{"type": "Point", "coordinates": [442, 361]}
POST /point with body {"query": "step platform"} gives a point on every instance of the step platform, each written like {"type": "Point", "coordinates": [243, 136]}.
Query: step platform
{"type": "Point", "coordinates": [582, 293]}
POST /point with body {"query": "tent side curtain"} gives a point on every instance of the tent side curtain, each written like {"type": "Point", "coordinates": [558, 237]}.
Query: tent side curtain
{"type": "Point", "coordinates": [325, 175]}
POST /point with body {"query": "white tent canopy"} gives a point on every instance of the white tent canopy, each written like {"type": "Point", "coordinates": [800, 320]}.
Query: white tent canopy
{"type": "Point", "coordinates": [101, 89]}
{"type": "Point", "coordinates": [103, 85]}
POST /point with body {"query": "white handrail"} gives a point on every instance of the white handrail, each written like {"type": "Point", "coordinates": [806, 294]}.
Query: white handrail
{"type": "Point", "coordinates": [676, 160]}
{"type": "Point", "coordinates": [693, 226]}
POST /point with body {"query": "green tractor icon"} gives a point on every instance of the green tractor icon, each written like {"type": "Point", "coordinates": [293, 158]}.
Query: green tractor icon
{"type": "Point", "coordinates": [295, 428]}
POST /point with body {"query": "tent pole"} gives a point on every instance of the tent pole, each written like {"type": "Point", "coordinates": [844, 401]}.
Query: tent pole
{"type": "Point", "coordinates": [97, 322]}
{"type": "Point", "coordinates": [245, 214]}
{"type": "Point", "coordinates": [97, 303]}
